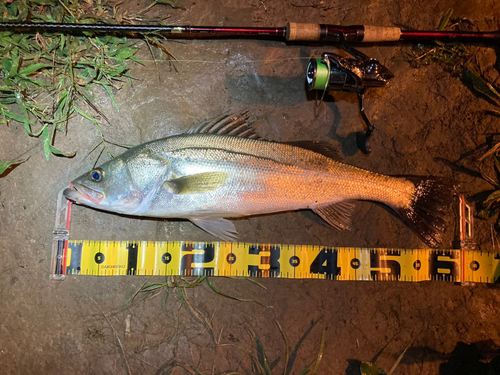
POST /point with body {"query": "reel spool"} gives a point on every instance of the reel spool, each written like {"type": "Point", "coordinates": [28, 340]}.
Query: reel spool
{"type": "Point", "coordinates": [333, 72]}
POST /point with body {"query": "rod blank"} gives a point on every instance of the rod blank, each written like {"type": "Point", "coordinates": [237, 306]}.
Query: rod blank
{"type": "Point", "coordinates": [293, 32]}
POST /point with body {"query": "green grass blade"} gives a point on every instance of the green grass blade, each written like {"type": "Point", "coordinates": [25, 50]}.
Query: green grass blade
{"type": "Point", "coordinates": [110, 93]}
{"type": "Point", "coordinates": [247, 279]}
{"type": "Point", "coordinates": [307, 369]}
{"type": "Point", "coordinates": [368, 368]}
{"type": "Point", "coordinates": [321, 348]}
{"type": "Point", "coordinates": [58, 152]}
{"type": "Point", "coordinates": [133, 58]}
{"type": "Point", "coordinates": [261, 355]}
{"type": "Point", "coordinates": [30, 69]}
{"type": "Point", "coordinates": [83, 114]}
{"type": "Point", "coordinates": [473, 79]}
{"type": "Point", "coordinates": [67, 66]}
{"type": "Point", "coordinates": [393, 368]}
{"type": "Point", "coordinates": [286, 346]}
{"type": "Point", "coordinates": [46, 142]}
{"type": "Point", "coordinates": [12, 116]}
{"type": "Point", "coordinates": [445, 19]}
{"type": "Point", "coordinates": [216, 290]}
{"type": "Point", "coordinates": [7, 164]}
{"type": "Point", "coordinates": [172, 3]}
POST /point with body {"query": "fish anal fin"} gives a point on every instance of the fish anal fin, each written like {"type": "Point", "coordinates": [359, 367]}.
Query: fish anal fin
{"type": "Point", "coordinates": [319, 147]}
{"type": "Point", "coordinates": [338, 215]}
{"type": "Point", "coordinates": [218, 227]}
{"type": "Point", "coordinates": [196, 183]}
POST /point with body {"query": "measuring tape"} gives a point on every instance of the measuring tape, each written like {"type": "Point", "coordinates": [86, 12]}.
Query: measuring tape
{"type": "Point", "coordinates": [166, 258]}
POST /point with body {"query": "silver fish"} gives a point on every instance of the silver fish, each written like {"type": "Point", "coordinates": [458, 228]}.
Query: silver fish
{"type": "Point", "coordinates": [223, 170]}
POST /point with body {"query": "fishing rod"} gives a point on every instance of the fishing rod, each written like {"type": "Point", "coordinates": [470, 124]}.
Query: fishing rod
{"type": "Point", "coordinates": [293, 32]}
{"type": "Point", "coordinates": [330, 73]}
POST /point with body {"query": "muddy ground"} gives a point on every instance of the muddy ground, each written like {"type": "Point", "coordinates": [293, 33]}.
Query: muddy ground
{"type": "Point", "coordinates": [427, 123]}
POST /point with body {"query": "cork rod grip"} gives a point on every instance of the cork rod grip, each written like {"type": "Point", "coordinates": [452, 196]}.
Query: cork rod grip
{"type": "Point", "coordinates": [381, 34]}
{"type": "Point", "coordinates": [302, 31]}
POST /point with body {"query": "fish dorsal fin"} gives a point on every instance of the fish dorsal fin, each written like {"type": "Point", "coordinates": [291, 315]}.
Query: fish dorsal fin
{"type": "Point", "coordinates": [338, 215]}
{"type": "Point", "coordinates": [235, 125]}
{"type": "Point", "coordinates": [319, 147]}
{"type": "Point", "coordinates": [196, 183]}
{"type": "Point", "coordinates": [218, 227]}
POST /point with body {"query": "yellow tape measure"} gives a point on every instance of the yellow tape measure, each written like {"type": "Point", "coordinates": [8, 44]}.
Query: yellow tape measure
{"type": "Point", "coordinates": [113, 258]}
{"type": "Point", "coordinates": [147, 258]}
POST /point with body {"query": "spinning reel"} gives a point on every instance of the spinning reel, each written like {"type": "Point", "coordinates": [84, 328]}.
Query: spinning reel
{"type": "Point", "coordinates": [336, 73]}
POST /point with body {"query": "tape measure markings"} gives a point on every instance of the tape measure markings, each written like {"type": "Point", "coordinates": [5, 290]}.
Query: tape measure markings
{"type": "Point", "coordinates": [147, 258]}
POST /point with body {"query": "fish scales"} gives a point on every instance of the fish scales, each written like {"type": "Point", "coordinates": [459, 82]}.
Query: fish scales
{"type": "Point", "coordinates": [295, 178]}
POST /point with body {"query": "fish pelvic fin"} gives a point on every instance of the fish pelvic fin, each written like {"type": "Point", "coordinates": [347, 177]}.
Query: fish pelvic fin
{"type": "Point", "coordinates": [338, 215]}
{"type": "Point", "coordinates": [218, 227]}
{"type": "Point", "coordinates": [196, 183]}
{"type": "Point", "coordinates": [425, 214]}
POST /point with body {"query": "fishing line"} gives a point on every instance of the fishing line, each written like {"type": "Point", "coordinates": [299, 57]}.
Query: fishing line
{"type": "Point", "coordinates": [225, 61]}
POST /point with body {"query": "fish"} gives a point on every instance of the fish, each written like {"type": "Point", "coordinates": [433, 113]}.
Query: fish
{"type": "Point", "coordinates": [223, 170]}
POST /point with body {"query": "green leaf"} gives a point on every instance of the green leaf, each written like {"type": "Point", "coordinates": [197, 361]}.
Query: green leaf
{"type": "Point", "coordinates": [6, 164]}
{"type": "Point", "coordinates": [56, 151]}
{"type": "Point", "coordinates": [15, 62]}
{"type": "Point", "coordinates": [30, 69]}
{"type": "Point", "coordinates": [445, 19]}
{"type": "Point", "coordinates": [125, 53]}
{"type": "Point", "coordinates": [110, 92]}
{"type": "Point", "coordinates": [46, 142]}
{"type": "Point", "coordinates": [306, 369]}
{"type": "Point", "coordinates": [368, 368]}
{"type": "Point", "coordinates": [36, 82]}
{"type": "Point", "coordinates": [49, 148]}
{"type": "Point", "coordinates": [393, 368]}
{"type": "Point", "coordinates": [287, 358]}
{"type": "Point", "coordinates": [216, 290]}
{"type": "Point", "coordinates": [247, 279]}
{"type": "Point", "coordinates": [12, 116]}
{"type": "Point", "coordinates": [6, 65]}
{"type": "Point", "coordinates": [88, 117]}
{"type": "Point", "coordinates": [43, 2]}
{"type": "Point", "coordinates": [487, 213]}
{"type": "Point", "coordinates": [321, 349]}
{"type": "Point", "coordinates": [492, 198]}
{"type": "Point", "coordinates": [23, 10]}
{"type": "Point", "coordinates": [85, 93]}
{"type": "Point", "coordinates": [261, 355]}
{"type": "Point", "coordinates": [152, 286]}
{"type": "Point", "coordinates": [473, 79]}
{"type": "Point", "coordinates": [172, 3]}
{"type": "Point", "coordinates": [136, 60]}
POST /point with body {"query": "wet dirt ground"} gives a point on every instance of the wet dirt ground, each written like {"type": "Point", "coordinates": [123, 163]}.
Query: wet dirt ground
{"type": "Point", "coordinates": [427, 123]}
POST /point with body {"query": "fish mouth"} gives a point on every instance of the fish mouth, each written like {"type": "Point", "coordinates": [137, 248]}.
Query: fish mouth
{"type": "Point", "coordinates": [83, 194]}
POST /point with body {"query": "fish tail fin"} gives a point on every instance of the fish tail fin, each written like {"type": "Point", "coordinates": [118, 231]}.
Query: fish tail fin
{"type": "Point", "coordinates": [425, 214]}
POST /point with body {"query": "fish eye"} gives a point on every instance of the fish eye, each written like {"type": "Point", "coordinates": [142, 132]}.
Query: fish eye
{"type": "Point", "coordinates": [96, 175]}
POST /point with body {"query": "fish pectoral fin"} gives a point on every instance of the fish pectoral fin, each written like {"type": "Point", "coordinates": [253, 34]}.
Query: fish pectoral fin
{"type": "Point", "coordinates": [196, 183]}
{"type": "Point", "coordinates": [221, 228]}
{"type": "Point", "coordinates": [338, 215]}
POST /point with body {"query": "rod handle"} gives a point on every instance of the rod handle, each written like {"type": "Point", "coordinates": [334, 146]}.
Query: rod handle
{"type": "Point", "coordinates": [303, 31]}
{"type": "Point", "coordinates": [314, 32]}
{"type": "Point", "coordinates": [381, 34]}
